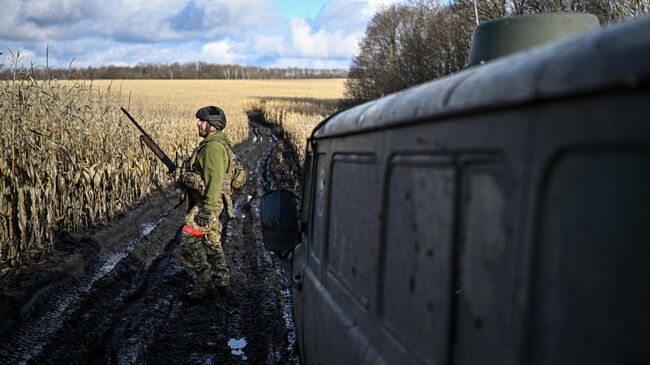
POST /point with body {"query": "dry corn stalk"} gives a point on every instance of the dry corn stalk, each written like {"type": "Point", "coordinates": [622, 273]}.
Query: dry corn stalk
{"type": "Point", "coordinates": [294, 118]}
{"type": "Point", "coordinates": [68, 160]}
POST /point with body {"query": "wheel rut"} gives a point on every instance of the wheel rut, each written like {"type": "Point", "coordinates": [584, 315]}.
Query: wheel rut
{"type": "Point", "coordinates": [116, 295]}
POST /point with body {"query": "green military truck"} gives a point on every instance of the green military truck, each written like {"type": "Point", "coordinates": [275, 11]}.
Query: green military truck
{"type": "Point", "coordinates": [496, 216]}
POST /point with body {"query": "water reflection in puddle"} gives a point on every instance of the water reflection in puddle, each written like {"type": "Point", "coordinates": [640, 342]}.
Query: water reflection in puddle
{"type": "Point", "coordinates": [237, 347]}
{"type": "Point", "coordinates": [148, 227]}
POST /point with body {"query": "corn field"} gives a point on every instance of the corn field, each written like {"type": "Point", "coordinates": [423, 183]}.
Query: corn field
{"type": "Point", "coordinates": [70, 160]}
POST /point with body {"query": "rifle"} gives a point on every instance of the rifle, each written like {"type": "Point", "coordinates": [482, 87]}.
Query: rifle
{"type": "Point", "coordinates": [152, 145]}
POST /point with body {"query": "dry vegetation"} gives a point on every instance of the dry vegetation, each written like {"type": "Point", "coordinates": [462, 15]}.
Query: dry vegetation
{"type": "Point", "coordinates": [70, 160]}
{"type": "Point", "coordinates": [180, 99]}
{"type": "Point", "coordinates": [294, 118]}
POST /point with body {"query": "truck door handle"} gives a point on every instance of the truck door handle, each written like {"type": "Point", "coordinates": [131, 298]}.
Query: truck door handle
{"type": "Point", "coordinates": [297, 281]}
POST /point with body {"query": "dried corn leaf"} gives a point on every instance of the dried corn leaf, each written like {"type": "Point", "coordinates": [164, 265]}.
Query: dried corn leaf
{"type": "Point", "coordinates": [22, 215]}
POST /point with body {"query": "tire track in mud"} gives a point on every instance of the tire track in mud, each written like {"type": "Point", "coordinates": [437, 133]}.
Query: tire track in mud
{"type": "Point", "coordinates": [282, 264]}
{"type": "Point", "coordinates": [117, 295]}
{"type": "Point", "coordinates": [266, 264]}
{"type": "Point", "coordinates": [46, 318]}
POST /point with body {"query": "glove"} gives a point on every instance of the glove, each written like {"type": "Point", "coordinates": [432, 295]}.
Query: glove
{"type": "Point", "coordinates": [193, 180]}
{"type": "Point", "coordinates": [202, 217]}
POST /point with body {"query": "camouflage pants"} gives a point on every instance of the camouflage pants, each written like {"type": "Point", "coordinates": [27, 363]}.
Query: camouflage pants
{"type": "Point", "coordinates": [204, 257]}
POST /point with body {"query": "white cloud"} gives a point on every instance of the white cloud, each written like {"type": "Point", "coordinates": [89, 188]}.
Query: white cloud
{"type": "Point", "coordinates": [349, 15]}
{"type": "Point", "coordinates": [312, 63]}
{"type": "Point", "coordinates": [321, 43]}
{"type": "Point", "coordinates": [376, 5]}
{"type": "Point", "coordinates": [128, 32]}
{"type": "Point", "coordinates": [237, 15]}
{"type": "Point", "coordinates": [270, 44]}
{"type": "Point", "coordinates": [223, 52]}
{"type": "Point", "coordinates": [134, 20]}
{"type": "Point", "coordinates": [55, 11]}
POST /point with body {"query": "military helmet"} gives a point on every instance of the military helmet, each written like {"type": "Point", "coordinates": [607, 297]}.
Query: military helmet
{"type": "Point", "coordinates": [213, 115]}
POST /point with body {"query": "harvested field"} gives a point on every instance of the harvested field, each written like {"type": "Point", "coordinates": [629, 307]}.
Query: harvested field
{"type": "Point", "coordinates": [179, 99]}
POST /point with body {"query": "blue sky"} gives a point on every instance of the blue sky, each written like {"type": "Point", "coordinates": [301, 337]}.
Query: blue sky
{"type": "Point", "coordinates": [301, 9]}
{"type": "Point", "coordinates": [267, 33]}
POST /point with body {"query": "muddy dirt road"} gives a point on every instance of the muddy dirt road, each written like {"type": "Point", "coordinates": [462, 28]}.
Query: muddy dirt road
{"type": "Point", "coordinates": [117, 295]}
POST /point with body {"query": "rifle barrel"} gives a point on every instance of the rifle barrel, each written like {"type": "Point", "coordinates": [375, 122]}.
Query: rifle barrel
{"type": "Point", "coordinates": [134, 122]}
{"type": "Point", "coordinates": [152, 145]}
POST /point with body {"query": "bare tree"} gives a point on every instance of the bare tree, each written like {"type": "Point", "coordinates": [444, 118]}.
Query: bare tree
{"type": "Point", "coordinates": [414, 42]}
{"type": "Point", "coordinates": [407, 44]}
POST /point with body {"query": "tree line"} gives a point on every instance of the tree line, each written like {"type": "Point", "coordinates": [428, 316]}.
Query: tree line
{"type": "Point", "coordinates": [421, 40]}
{"type": "Point", "coordinates": [194, 70]}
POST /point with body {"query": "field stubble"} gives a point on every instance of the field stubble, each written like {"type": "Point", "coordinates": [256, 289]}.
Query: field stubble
{"type": "Point", "coordinates": [70, 160]}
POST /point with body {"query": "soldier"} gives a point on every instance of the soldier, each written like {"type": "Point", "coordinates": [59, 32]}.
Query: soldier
{"type": "Point", "coordinates": [207, 176]}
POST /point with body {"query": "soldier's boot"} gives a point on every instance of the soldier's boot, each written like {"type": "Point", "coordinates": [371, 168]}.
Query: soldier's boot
{"type": "Point", "coordinates": [220, 271]}
{"type": "Point", "coordinates": [221, 278]}
{"type": "Point", "coordinates": [223, 285]}
{"type": "Point", "coordinates": [203, 288]}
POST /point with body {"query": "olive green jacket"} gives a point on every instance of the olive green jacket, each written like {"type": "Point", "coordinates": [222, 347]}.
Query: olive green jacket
{"type": "Point", "coordinates": [211, 163]}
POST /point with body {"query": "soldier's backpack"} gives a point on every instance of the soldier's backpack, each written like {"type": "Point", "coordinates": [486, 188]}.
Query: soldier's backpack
{"type": "Point", "coordinates": [195, 181]}
{"type": "Point", "coordinates": [238, 173]}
